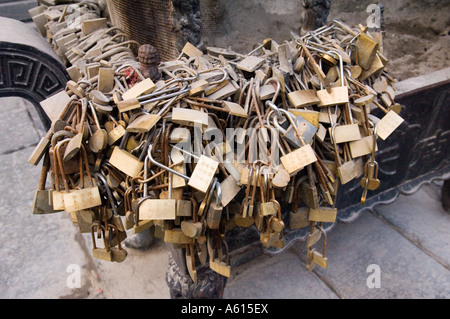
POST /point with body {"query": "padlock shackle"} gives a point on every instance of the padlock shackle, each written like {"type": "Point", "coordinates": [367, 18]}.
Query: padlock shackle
{"type": "Point", "coordinates": [129, 65]}
{"type": "Point", "coordinates": [275, 121]}
{"type": "Point", "coordinates": [324, 239]}
{"type": "Point", "coordinates": [333, 130]}
{"type": "Point", "coordinates": [149, 154]}
{"type": "Point", "coordinates": [277, 92]}
{"type": "Point", "coordinates": [183, 90]}
{"type": "Point", "coordinates": [155, 93]}
{"type": "Point", "coordinates": [225, 75]}
{"type": "Point", "coordinates": [59, 161]}
{"type": "Point", "coordinates": [94, 115]}
{"type": "Point", "coordinates": [273, 108]}
{"type": "Point", "coordinates": [218, 191]}
{"type": "Point", "coordinates": [138, 205]}
{"type": "Point", "coordinates": [289, 117]}
{"type": "Point", "coordinates": [375, 129]}
{"type": "Point", "coordinates": [193, 76]}
{"type": "Point", "coordinates": [102, 179]}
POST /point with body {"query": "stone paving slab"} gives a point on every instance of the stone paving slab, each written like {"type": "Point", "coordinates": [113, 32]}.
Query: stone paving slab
{"type": "Point", "coordinates": [407, 272]}
{"type": "Point", "coordinates": [423, 221]}
{"type": "Point", "coordinates": [36, 250]}
{"type": "Point", "coordinates": [18, 127]}
{"type": "Point", "coordinates": [141, 276]}
{"type": "Point", "coordinates": [276, 277]}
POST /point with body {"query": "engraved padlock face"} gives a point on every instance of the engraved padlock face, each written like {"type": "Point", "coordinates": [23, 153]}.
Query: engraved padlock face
{"type": "Point", "coordinates": [158, 209]}
{"type": "Point", "coordinates": [82, 199]}
{"type": "Point", "coordinates": [298, 159]}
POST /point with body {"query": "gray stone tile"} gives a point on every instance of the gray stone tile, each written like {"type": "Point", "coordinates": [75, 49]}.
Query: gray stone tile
{"type": "Point", "coordinates": [406, 271]}
{"type": "Point", "coordinates": [422, 220]}
{"type": "Point", "coordinates": [36, 249]}
{"type": "Point", "coordinates": [33, 114]}
{"type": "Point", "coordinates": [142, 275]}
{"type": "Point", "coordinates": [282, 276]}
{"type": "Point", "coordinates": [19, 178]}
{"type": "Point", "coordinates": [17, 127]}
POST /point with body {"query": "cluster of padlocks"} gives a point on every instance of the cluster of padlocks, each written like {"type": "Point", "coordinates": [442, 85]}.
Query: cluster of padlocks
{"type": "Point", "coordinates": [215, 140]}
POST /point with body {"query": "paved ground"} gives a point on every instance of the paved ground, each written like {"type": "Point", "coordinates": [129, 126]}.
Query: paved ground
{"type": "Point", "coordinates": [409, 241]}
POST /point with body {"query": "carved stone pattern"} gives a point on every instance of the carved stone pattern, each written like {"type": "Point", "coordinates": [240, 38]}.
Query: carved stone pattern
{"type": "Point", "coordinates": [189, 22]}
{"type": "Point", "coordinates": [210, 285]}
{"type": "Point", "coordinates": [314, 14]}
{"type": "Point", "coordinates": [25, 72]}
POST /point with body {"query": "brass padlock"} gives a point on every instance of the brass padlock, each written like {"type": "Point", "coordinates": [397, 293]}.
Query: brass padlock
{"type": "Point", "coordinates": [307, 189]}
{"type": "Point", "coordinates": [367, 49]}
{"type": "Point", "coordinates": [115, 130]}
{"type": "Point", "coordinates": [57, 195]}
{"type": "Point", "coordinates": [215, 210]}
{"type": "Point", "coordinates": [85, 219]}
{"type": "Point", "coordinates": [304, 97]}
{"type": "Point", "coordinates": [71, 166]}
{"type": "Point", "coordinates": [118, 254]}
{"type": "Point", "coordinates": [267, 207]}
{"type": "Point", "coordinates": [314, 256]}
{"type": "Point", "coordinates": [100, 253]}
{"type": "Point", "coordinates": [125, 161]}
{"type": "Point", "coordinates": [336, 95]}
{"type": "Point", "coordinates": [41, 201]}
{"type": "Point", "coordinates": [346, 171]}
{"type": "Point", "coordinates": [323, 214]}
{"type": "Point", "coordinates": [74, 146]}
{"type": "Point", "coordinates": [99, 139]}
{"type": "Point", "coordinates": [86, 197]}
{"type": "Point", "coordinates": [217, 263]}
{"type": "Point", "coordinates": [192, 227]}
